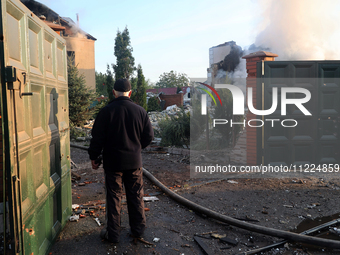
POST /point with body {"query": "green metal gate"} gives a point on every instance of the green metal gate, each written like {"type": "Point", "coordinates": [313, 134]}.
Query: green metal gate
{"type": "Point", "coordinates": [315, 140]}
{"type": "Point", "coordinates": [34, 100]}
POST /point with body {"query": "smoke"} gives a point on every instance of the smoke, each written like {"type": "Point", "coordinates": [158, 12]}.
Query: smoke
{"type": "Point", "coordinates": [301, 29]}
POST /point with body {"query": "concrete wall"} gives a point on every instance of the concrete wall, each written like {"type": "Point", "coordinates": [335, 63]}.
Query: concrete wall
{"type": "Point", "coordinates": [84, 57]}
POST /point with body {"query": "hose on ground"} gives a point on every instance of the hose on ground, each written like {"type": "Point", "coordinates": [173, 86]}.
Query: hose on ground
{"type": "Point", "coordinates": [237, 223]}
{"type": "Point", "coordinates": [241, 224]}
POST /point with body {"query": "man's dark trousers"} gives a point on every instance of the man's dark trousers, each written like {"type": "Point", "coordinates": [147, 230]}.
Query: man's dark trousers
{"type": "Point", "coordinates": [133, 182]}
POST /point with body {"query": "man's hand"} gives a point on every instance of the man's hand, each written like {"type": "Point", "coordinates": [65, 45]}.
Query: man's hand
{"type": "Point", "coordinates": [94, 165]}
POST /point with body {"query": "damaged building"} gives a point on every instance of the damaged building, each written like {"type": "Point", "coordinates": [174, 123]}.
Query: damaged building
{"type": "Point", "coordinates": [79, 44]}
{"type": "Point", "coordinates": [223, 59]}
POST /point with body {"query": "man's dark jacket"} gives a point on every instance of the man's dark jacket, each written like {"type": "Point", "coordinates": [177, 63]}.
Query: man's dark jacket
{"type": "Point", "coordinates": [122, 129]}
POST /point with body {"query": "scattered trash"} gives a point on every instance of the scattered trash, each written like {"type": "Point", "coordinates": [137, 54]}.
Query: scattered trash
{"type": "Point", "coordinates": [264, 211]}
{"type": "Point", "coordinates": [156, 239]}
{"type": "Point", "coordinates": [75, 206]}
{"type": "Point", "coordinates": [98, 222]}
{"type": "Point", "coordinates": [313, 205]}
{"type": "Point", "coordinates": [203, 246]}
{"type": "Point", "coordinates": [81, 184]}
{"type": "Point", "coordinates": [146, 209]}
{"type": "Point", "coordinates": [229, 241]}
{"type": "Point", "coordinates": [283, 222]}
{"type": "Point", "coordinates": [225, 248]}
{"type": "Point", "coordinates": [73, 164]}
{"type": "Point", "coordinates": [335, 231]}
{"type": "Point", "coordinates": [208, 233]}
{"type": "Point", "coordinates": [206, 237]}
{"type": "Point", "coordinates": [152, 199]}
{"type": "Point", "coordinates": [185, 245]}
{"type": "Point", "coordinates": [218, 236]}
{"type": "Point", "coordinates": [288, 206]}
{"type": "Point", "coordinates": [75, 175]}
{"type": "Point", "coordinates": [233, 182]}
{"type": "Point", "coordinates": [74, 218]}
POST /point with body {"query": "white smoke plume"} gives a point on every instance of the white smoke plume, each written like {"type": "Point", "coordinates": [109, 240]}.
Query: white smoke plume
{"type": "Point", "coordinates": [301, 29]}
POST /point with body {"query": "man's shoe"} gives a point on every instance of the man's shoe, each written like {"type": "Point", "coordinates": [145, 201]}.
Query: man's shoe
{"type": "Point", "coordinates": [104, 234]}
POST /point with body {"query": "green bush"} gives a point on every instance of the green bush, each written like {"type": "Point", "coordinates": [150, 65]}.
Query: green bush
{"type": "Point", "coordinates": [175, 130]}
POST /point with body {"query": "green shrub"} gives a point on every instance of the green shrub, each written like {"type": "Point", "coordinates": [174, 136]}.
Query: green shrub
{"type": "Point", "coordinates": [175, 130]}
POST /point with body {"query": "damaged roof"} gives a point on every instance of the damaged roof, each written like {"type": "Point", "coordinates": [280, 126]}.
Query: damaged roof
{"type": "Point", "coordinates": [69, 22]}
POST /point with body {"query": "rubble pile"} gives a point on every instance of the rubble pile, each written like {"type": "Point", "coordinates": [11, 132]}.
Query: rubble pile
{"type": "Point", "coordinates": [172, 110]}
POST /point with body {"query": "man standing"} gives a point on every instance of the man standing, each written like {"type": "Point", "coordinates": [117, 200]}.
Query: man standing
{"type": "Point", "coordinates": [121, 130]}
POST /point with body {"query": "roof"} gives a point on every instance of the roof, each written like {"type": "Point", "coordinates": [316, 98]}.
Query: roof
{"type": "Point", "coordinates": [167, 91]}
{"type": "Point", "coordinates": [260, 53]}
{"type": "Point", "coordinates": [72, 24]}
{"type": "Point", "coordinates": [54, 26]}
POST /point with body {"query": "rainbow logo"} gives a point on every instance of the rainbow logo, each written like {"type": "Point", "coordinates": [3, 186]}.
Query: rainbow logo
{"type": "Point", "coordinates": [208, 92]}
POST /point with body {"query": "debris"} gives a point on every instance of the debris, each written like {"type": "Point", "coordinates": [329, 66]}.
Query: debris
{"type": "Point", "coordinates": [203, 246]}
{"type": "Point", "coordinates": [156, 239]}
{"type": "Point", "coordinates": [146, 209]}
{"type": "Point", "coordinates": [233, 182]}
{"type": "Point", "coordinates": [229, 241]}
{"type": "Point", "coordinates": [206, 237]}
{"type": "Point", "coordinates": [288, 206]}
{"type": "Point", "coordinates": [82, 215]}
{"type": "Point", "coordinates": [186, 245]}
{"type": "Point", "coordinates": [74, 218]}
{"type": "Point", "coordinates": [335, 231]}
{"type": "Point", "coordinates": [98, 222]}
{"type": "Point", "coordinates": [152, 199]}
{"type": "Point", "coordinates": [283, 222]}
{"type": "Point", "coordinates": [174, 231]}
{"type": "Point", "coordinates": [81, 184]}
{"type": "Point", "coordinates": [75, 206]}
{"type": "Point", "coordinates": [207, 233]}
{"type": "Point", "coordinates": [306, 232]}
{"type": "Point", "coordinates": [73, 164]}
{"type": "Point", "coordinates": [75, 175]}
{"type": "Point", "coordinates": [218, 236]}
{"type": "Point", "coordinates": [225, 248]}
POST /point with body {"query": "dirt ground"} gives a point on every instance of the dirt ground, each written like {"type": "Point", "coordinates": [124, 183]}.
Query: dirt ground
{"type": "Point", "coordinates": [287, 204]}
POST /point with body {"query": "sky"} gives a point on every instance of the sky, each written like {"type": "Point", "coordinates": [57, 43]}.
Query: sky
{"type": "Point", "coordinates": [165, 35]}
{"type": "Point", "coordinates": [176, 35]}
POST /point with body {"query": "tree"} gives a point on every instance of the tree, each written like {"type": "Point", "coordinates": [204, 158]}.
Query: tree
{"type": "Point", "coordinates": [153, 104]}
{"type": "Point", "coordinates": [80, 97]}
{"type": "Point", "coordinates": [125, 62]}
{"type": "Point", "coordinates": [109, 83]}
{"type": "Point", "coordinates": [101, 84]}
{"type": "Point", "coordinates": [140, 93]}
{"type": "Point", "coordinates": [172, 80]}
{"type": "Point", "coordinates": [149, 84]}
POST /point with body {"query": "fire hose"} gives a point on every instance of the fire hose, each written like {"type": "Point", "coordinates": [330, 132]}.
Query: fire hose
{"type": "Point", "coordinates": [238, 223]}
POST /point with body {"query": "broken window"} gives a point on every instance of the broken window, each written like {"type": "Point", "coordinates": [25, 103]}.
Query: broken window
{"type": "Point", "coordinates": [71, 57]}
